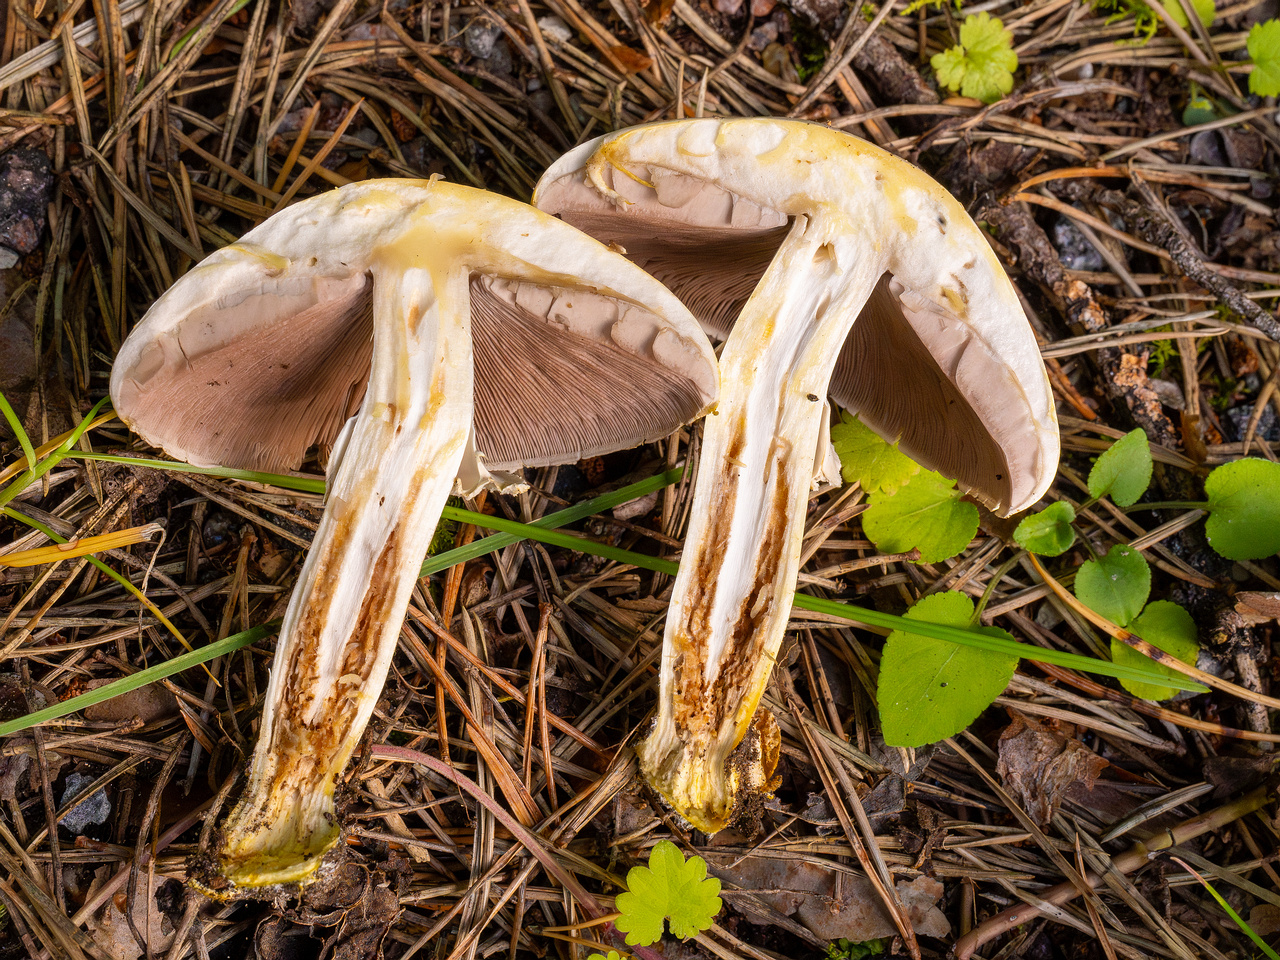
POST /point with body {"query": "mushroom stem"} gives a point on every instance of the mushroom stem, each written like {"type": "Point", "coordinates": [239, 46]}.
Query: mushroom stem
{"type": "Point", "coordinates": [732, 596]}
{"type": "Point", "coordinates": [391, 473]}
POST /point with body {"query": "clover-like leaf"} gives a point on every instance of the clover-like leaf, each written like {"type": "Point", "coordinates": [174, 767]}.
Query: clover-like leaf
{"type": "Point", "coordinates": [1167, 626]}
{"type": "Point", "coordinates": [1123, 472]}
{"type": "Point", "coordinates": [612, 955]}
{"type": "Point", "coordinates": [982, 65]}
{"type": "Point", "coordinates": [930, 689]}
{"type": "Point", "coordinates": [1264, 50]}
{"type": "Point", "coordinates": [926, 514]}
{"type": "Point", "coordinates": [1048, 532]}
{"type": "Point", "coordinates": [864, 457]}
{"type": "Point", "coordinates": [671, 889]}
{"type": "Point", "coordinates": [1244, 505]}
{"type": "Point", "coordinates": [1115, 586]}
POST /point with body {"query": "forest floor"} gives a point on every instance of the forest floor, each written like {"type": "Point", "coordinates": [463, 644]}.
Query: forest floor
{"type": "Point", "coordinates": [1127, 182]}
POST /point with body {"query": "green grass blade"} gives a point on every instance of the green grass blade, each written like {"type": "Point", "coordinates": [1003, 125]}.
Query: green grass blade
{"type": "Point", "coordinates": [1239, 921]}
{"type": "Point", "coordinates": [982, 641]}
{"type": "Point", "coordinates": [287, 482]}
{"type": "Point", "coordinates": [845, 611]}
{"type": "Point", "coordinates": [543, 530]}
{"type": "Point", "coordinates": [160, 671]}
{"type": "Point", "coordinates": [579, 511]}
{"type": "Point", "coordinates": [15, 425]}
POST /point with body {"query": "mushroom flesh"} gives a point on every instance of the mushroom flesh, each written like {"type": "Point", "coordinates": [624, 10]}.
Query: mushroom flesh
{"type": "Point", "coordinates": [833, 267]}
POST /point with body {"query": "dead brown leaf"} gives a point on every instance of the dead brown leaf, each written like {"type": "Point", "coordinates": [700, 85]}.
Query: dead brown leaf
{"type": "Point", "coordinates": [1039, 765]}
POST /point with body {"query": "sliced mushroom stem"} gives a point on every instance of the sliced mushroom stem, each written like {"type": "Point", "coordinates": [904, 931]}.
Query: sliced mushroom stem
{"type": "Point", "coordinates": [390, 477]}
{"type": "Point", "coordinates": [733, 594]}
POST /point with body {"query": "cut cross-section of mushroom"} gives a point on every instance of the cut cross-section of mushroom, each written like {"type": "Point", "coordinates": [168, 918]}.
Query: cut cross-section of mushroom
{"type": "Point", "coordinates": [833, 267]}
{"type": "Point", "coordinates": [414, 312]}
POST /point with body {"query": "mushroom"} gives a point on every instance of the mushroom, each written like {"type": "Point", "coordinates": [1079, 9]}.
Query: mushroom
{"type": "Point", "coordinates": [412, 311]}
{"type": "Point", "coordinates": [848, 271]}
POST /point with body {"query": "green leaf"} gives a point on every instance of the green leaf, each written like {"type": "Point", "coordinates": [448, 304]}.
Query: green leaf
{"type": "Point", "coordinates": [927, 514]}
{"type": "Point", "coordinates": [1167, 626]}
{"type": "Point", "coordinates": [1244, 505]}
{"type": "Point", "coordinates": [930, 690]}
{"type": "Point", "coordinates": [867, 459]}
{"type": "Point", "coordinates": [669, 888]}
{"type": "Point", "coordinates": [1123, 472]}
{"type": "Point", "coordinates": [1204, 9]}
{"type": "Point", "coordinates": [612, 955]}
{"type": "Point", "coordinates": [1116, 585]}
{"type": "Point", "coordinates": [1264, 50]}
{"type": "Point", "coordinates": [982, 65]}
{"type": "Point", "coordinates": [1049, 532]}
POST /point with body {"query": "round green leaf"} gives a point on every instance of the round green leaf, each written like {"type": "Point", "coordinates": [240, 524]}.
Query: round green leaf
{"type": "Point", "coordinates": [1115, 586]}
{"type": "Point", "coordinates": [929, 689]}
{"type": "Point", "coordinates": [927, 514]}
{"type": "Point", "coordinates": [1167, 626]}
{"type": "Point", "coordinates": [1244, 505]}
{"type": "Point", "coordinates": [1123, 471]}
{"type": "Point", "coordinates": [1049, 532]}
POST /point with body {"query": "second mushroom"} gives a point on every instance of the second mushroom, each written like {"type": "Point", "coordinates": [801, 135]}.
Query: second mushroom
{"type": "Point", "coordinates": [848, 271]}
{"type": "Point", "coordinates": [453, 327]}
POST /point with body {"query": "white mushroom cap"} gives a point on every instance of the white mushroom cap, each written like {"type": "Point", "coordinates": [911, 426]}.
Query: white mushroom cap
{"type": "Point", "coordinates": [365, 303]}
{"type": "Point", "coordinates": [264, 348]}
{"type": "Point", "coordinates": [834, 267]}
{"type": "Point", "coordinates": [941, 358]}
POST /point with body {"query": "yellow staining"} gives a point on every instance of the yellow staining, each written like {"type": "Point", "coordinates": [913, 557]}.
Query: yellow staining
{"type": "Point", "coordinates": [274, 263]}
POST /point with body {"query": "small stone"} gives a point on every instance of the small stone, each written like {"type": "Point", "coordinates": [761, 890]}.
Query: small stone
{"type": "Point", "coordinates": [499, 61]}
{"type": "Point", "coordinates": [8, 258]}
{"type": "Point", "coordinates": [1169, 392]}
{"type": "Point", "coordinates": [1206, 149]}
{"type": "Point", "coordinates": [762, 36]}
{"type": "Point", "coordinates": [555, 28]}
{"type": "Point", "coordinates": [26, 184]}
{"type": "Point", "coordinates": [479, 38]}
{"type": "Point", "coordinates": [1268, 429]}
{"type": "Point", "coordinates": [762, 8]}
{"type": "Point", "coordinates": [1076, 252]}
{"type": "Point", "coordinates": [94, 810]}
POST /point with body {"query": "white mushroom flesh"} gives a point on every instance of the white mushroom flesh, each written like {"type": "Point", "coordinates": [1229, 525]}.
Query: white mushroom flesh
{"type": "Point", "coordinates": [852, 264]}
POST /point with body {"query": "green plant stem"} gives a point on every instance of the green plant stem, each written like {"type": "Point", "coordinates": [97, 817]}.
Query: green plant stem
{"type": "Point", "coordinates": [287, 481]}
{"type": "Point", "coordinates": [1169, 505]}
{"type": "Point", "coordinates": [579, 511]}
{"type": "Point", "coordinates": [863, 615]}
{"type": "Point", "coordinates": [160, 671]}
{"type": "Point", "coordinates": [543, 530]}
{"type": "Point", "coordinates": [15, 425]}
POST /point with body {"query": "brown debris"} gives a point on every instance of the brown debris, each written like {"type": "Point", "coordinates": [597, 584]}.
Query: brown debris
{"type": "Point", "coordinates": [1040, 766]}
